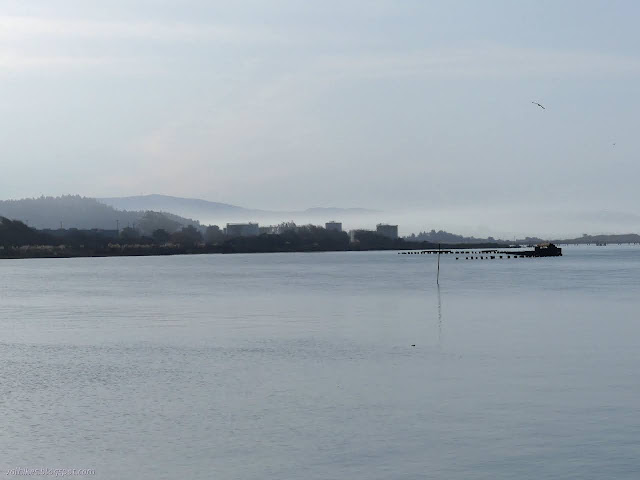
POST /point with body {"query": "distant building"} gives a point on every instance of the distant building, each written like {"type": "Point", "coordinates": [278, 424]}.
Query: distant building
{"type": "Point", "coordinates": [390, 231]}
{"type": "Point", "coordinates": [242, 230]}
{"type": "Point", "coordinates": [333, 226]}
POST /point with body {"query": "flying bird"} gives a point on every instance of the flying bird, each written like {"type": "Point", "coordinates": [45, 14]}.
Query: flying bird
{"type": "Point", "coordinates": [536, 103]}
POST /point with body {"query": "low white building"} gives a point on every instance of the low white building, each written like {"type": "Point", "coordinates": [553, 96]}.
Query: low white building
{"type": "Point", "coordinates": [353, 234]}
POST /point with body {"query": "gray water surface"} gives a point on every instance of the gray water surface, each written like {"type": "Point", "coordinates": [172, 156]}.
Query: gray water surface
{"type": "Point", "coordinates": [296, 366]}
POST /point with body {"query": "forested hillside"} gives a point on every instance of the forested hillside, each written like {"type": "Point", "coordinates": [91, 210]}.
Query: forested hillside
{"type": "Point", "coordinates": [74, 211]}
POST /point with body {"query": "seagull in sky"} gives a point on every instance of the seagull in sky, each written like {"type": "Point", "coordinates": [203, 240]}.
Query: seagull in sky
{"type": "Point", "coordinates": [536, 103]}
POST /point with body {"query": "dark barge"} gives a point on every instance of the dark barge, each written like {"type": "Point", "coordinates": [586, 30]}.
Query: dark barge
{"type": "Point", "coordinates": [546, 250]}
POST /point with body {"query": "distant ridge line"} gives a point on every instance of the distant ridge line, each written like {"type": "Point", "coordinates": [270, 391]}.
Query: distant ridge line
{"type": "Point", "coordinates": [199, 207]}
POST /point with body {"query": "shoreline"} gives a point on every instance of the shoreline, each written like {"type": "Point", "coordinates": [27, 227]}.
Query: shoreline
{"type": "Point", "coordinates": [37, 252]}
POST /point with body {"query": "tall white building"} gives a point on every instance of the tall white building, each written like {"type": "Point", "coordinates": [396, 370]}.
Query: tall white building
{"type": "Point", "coordinates": [334, 226]}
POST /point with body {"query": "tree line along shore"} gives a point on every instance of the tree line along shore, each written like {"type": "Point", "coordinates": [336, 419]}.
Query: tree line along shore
{"type": "Point", "coordinates": [17, 240]}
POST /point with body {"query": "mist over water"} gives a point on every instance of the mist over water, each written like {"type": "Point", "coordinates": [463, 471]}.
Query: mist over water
{"type": "Point", "coordinates": [302, 365]}
{"type": "Point", "coordinates": [504, 222]}
{"type": "Point", "coordinates": [507, 222]}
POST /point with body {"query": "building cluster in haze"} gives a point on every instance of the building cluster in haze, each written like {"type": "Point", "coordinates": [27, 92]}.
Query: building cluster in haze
{"type": "Point", "coordinates": [18, 240]}
{"type": "Point", "coordinates": [233, 230]}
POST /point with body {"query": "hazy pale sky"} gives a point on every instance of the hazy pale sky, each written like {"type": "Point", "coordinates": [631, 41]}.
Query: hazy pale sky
{"type": "Point", "coordinates": [406, 105]}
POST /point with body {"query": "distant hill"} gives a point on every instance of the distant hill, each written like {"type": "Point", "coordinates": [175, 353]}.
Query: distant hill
{"type": "Point", "coordinates": [150, 212]}
{"type": "Point", "coordinates": [14, 232]}
{"type": "Point", "coordinates": [190, 207]}
{"type": "Point", "coordinates": [214, 212]}
{"type": "Point", "coordinates": [74, 211]}
{"type": "Point", "coordinates": [446, 237]}
{"type": "Point", "coordinates": [623, 238]}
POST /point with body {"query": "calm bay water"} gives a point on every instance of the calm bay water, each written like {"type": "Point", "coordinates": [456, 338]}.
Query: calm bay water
{"type": "Point", "coordinates": [296, 366]}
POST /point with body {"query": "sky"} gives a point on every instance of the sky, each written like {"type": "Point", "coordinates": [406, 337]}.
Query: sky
{"type": "Point", "coordinates": [418, 108]}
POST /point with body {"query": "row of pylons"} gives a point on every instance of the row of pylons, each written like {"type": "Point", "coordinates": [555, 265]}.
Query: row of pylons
{"type": "Point", "coordinates": [474, 255]}
{"type": "Point", "coordinates": [447, 252]}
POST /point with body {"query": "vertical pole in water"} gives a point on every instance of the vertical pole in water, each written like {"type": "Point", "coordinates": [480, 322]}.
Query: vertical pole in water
{"type": "Point", "coordinates": [438, 276]}
{"type": "Point", "coordinates": [439, 319]}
